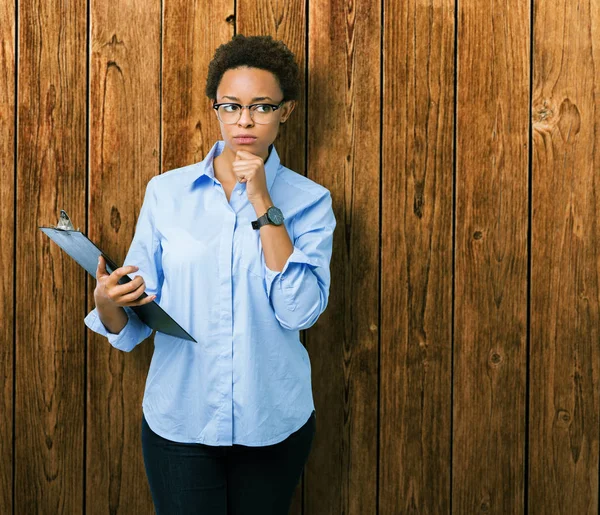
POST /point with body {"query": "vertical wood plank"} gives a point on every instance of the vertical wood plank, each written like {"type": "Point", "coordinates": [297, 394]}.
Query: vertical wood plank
{"type": "Point", "coordinates": [491, 257]}
{"type": "Point", "coordinates": [565, 270]}
{"type": "Point", "coordinates": [124, 156]}
{"type": "Point", "coordinates": [343, 155]}
{"type": "Point", "coordinates": [50, 348]}
{"type": "Point", "coordinates": [416, 293]}
{"type": "Point", "coordinates": [286, 22]}
{"type": "Point", "coordinates": [189, 126]}
{"type": "Point", "coordinates": [7, 237]}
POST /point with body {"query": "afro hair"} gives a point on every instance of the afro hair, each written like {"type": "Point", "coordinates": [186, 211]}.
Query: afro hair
{"type": "Point", "coordinates": [262, 52]}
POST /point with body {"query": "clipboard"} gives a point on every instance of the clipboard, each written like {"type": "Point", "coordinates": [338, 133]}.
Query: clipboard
{"type": "Point", "coordinates": [86, 253]}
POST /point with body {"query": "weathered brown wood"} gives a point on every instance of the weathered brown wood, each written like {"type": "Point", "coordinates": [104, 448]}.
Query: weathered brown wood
{"type": "Point", "coordinates": [189, 126]}
{"type": "Point", "coordinates": [490, 322]}
{"type": "Point", "coordinates": [565, 261]}
{"type": "Point", "coordinates": [416, 287]}
{"type": "Point", "coordinates": [50, 345]}
{"type": "Point", "coordinates": [444, 440]}
{"type": "Point", "coordinates": [343, 142]}
{"type": "Point", "coordinates": [7, 249]}
{"type": "Point", "coordinates": [124, 155]}
{"type": "Point", "coordinates": [286, 22]}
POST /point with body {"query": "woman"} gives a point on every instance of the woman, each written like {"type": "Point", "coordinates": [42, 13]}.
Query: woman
{"type": "Point", "coordinates": [236, 249]}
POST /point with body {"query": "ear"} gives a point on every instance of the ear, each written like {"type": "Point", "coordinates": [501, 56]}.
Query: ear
{"type": "Point", "coordinates": [287, 109]}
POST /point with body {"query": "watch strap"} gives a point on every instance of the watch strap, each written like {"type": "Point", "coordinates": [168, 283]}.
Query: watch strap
{"type": "Point", "coordinates": [262, 220]}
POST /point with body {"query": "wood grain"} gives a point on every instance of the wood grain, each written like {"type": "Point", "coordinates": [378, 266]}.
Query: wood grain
{"type": "Point", "coordinates": [7, 249]}
{"type": "Point", "coordinates": [124, 156]}
{"type": "Point", "coordinates": [286, 22]}
{"type": "Point", "coordinates": [565, 261]}
{"type": "Point", "coordinates": [488, 453]}
{"type": "Point", "coordinates": [416, 232]}
{"type": "Point", "coordinates": [343, 142]}
{"type": "Point", "coordinates": [50, 345]}
{"type": "Point", "coordinates": [189, 126]}
{"type": "Point", "coordinates": [420, 384]}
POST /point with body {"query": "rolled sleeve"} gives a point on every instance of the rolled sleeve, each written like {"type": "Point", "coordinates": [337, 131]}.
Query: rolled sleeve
{"type": "Point", "coordinates": [297, 256]}
{"type": "Point", "coordinates": [133, 332]}
{"type": "Point", "coordinates": [299, 293]}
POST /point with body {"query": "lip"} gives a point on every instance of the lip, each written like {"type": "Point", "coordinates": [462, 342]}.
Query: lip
{"type": "Point", "coordinates": [244, 140]}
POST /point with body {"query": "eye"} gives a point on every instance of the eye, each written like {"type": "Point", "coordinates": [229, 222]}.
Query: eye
{"type": "Point", "coordinates": [263, 108]}
{"type": "Point", "coordinates": [230, 108]}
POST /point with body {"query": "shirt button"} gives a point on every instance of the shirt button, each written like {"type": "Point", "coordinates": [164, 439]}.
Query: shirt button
{"type": "Point", "coordinates": [239, 192]}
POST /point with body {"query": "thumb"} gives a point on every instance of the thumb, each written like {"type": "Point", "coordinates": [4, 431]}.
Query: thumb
{"type": "Point", "coordinates": [101, 269]}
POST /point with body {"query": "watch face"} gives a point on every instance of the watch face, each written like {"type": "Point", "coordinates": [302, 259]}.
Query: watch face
{"type": "Point", "coordinates": [275, 215]}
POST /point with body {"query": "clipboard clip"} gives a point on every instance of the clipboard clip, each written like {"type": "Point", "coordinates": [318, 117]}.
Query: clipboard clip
{"type": "Point", "coordinates": [64, 222]}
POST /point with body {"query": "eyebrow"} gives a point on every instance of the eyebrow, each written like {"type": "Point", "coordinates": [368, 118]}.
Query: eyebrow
{"type": "Point", "coordinates": [255, 98]}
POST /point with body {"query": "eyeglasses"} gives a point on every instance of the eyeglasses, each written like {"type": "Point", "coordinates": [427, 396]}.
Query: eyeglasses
{"type": "Point", "coordinates": [263, 114]}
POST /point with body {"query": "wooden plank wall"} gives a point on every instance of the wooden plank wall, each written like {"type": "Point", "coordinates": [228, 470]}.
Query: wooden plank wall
{"type": "Point", "coordinates": [49, 343]}
{"type": "Point", "coordinates": [7, 249]}
{"type": "Point", "coordinates": [456, 368]}
{"type": "Point", "coordinates": [124, 154]}
{"type": "Point", "coordinates": [565, 255]}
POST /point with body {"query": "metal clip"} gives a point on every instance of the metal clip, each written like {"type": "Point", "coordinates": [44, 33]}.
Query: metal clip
{"type": "Point", "coordinates": [64, 222]}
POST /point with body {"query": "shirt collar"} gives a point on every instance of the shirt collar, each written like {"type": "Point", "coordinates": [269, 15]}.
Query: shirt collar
{"type": "Point", "coordinates": [205, 167]}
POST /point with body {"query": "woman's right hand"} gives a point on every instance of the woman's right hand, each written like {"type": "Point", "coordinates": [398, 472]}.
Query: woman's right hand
{"type": "Point", "coordinates": [109, 292]}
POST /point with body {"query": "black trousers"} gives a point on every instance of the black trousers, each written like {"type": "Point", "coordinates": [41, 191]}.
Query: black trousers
{"type": "Point", "coordinates": [193, 478]}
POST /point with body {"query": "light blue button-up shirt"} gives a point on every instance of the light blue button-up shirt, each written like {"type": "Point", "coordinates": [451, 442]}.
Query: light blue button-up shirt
{"type": "Point", "coordinates": [247, 380]}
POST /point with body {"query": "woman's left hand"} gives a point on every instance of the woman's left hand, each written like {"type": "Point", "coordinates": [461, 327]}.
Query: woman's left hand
{"type": "Point", "coordinates": [250, 168]}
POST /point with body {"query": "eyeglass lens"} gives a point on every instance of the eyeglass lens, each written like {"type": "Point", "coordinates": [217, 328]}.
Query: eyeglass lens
{"type": "Point", "coordinates": [260, 113]}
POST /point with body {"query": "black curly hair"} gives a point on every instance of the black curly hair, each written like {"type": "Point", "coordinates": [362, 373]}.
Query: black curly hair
{"type": "Point", "coordinates": [262, 52]}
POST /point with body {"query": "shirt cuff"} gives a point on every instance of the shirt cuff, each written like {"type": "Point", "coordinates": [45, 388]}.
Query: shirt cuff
{"type": "Point", "coordinates": [297, 256]}
{"type": "Point", "coordinates": [123, 340]}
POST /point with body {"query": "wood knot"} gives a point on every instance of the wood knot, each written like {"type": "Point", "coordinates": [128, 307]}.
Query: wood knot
{"type": "Point", "coordinates": [569, 121]}
{"type": "Point", "coordinates": [418, 200]}
{"type": "Point", "coordinates": [50, 100]}
{"type": "Point", "coordinates": [563, 418]}
{"type": "Point", "coordinates": [543, 113]}
{"type": "Point", "coordinates": [495, 358]}
{"type": "Point", "coordinates": [115, 219]}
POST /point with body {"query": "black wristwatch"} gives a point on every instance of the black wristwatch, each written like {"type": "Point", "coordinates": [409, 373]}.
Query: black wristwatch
{"type": "Point", "coordinates": [272, 216]}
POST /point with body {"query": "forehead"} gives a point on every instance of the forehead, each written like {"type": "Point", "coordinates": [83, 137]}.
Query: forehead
{"type": "Point", "coordinates": [248, 84]}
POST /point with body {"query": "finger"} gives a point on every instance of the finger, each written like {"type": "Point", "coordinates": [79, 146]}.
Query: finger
{"type": "Point", "coordinates": [116, 292]}
{"type": "Point", "coordinates": [121, 272]}
{"type": "Point", "coordinates": [244, 172]}
{"type": "Point", "coordinates": [133, 295]}
{"type": "Point", "coordinates": [247, 157]}
{"type": "Point", "coordinates": [145, 300]}
{"type": "Point", "coordinates": [252, 163]}
{"type": "Point", "coordinates": [243, 154]}
{"type": "Point", "coordinates": [101, 268]}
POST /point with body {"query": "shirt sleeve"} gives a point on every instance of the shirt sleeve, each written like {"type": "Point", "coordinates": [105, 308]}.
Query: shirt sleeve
{"type": "Point", "coordinates": [299, 293]}
{"type": "Point", "coordinates": [144, 252]}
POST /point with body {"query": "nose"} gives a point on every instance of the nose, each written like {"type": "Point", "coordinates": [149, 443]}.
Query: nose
{"type": "Point", "coordinates": [245, 118]}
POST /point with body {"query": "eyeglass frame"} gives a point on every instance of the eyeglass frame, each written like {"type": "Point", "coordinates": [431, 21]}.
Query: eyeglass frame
{"type": "Point", "coordinates": [275, 107]}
